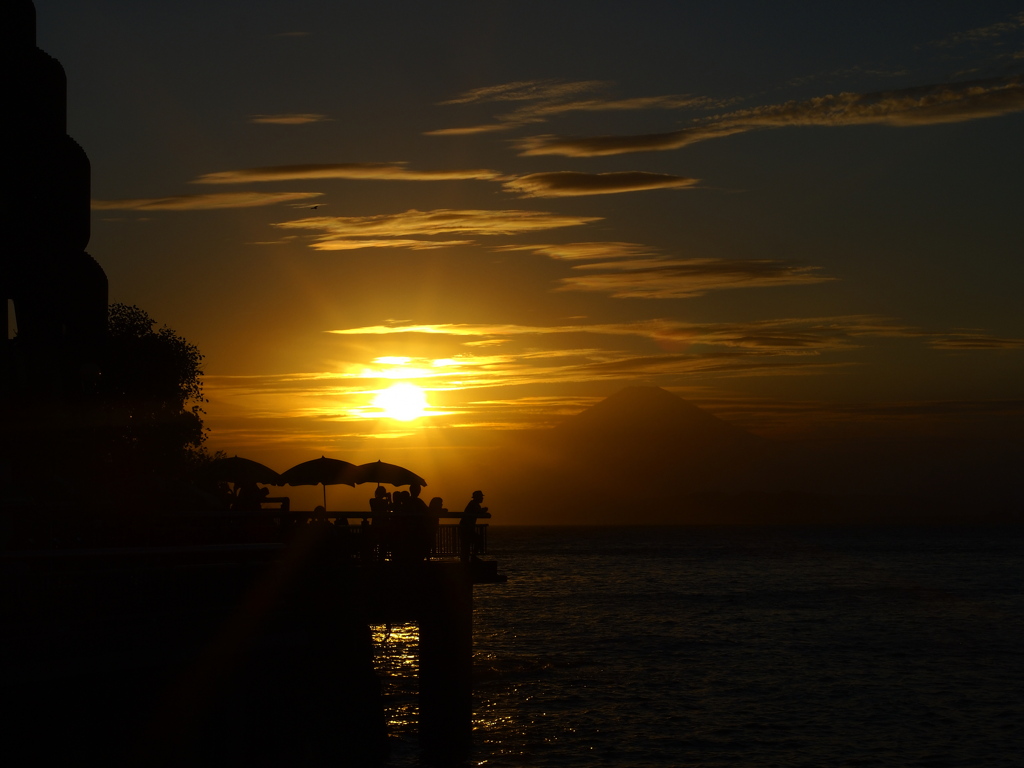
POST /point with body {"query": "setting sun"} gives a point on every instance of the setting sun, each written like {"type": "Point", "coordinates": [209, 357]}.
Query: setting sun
{"type": "Point", "coordinates": [403, 402]}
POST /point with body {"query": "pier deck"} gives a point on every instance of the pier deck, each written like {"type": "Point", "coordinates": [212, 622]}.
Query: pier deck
{"type": "Point", "coordinates": [223, 638]}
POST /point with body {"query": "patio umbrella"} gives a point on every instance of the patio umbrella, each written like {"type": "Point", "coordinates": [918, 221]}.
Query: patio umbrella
{"type": "Point", "coordinates": [322, 471]}
{"type": "Point", "coordinates": [392, 474]}
{"type": "Point", "coordinates": [238, 470]}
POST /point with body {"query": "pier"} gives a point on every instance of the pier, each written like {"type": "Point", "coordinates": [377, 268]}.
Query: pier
{"type": "Point", "coordinates": [135, 637]}
{"type": "Point", "coordinates": [248, 645]}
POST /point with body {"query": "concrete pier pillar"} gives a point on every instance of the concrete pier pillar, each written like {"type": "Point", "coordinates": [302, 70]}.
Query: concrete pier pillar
{"type": "Point", "coordinates": [446, 658]}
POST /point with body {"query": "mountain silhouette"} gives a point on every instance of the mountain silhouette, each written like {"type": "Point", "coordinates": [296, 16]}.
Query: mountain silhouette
{"type": "Point", "coordinates": [645, 456]}
{"type": "Point", "coordinates": [640, 416]}
{"type": "Point", "coordinates": [635, 457]}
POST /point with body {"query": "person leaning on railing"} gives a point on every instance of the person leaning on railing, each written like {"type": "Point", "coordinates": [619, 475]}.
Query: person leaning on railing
{"type": "Point", "coordinates": [468, 543]}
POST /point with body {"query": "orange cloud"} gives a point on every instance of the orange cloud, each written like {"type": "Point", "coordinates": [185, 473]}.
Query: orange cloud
{"type": "Point", "coordinates": [598, 146]}
{"type": "Point", "coordinates": [324, 395]}
{"type": "Point", "coordinates": [973, 340]}
{"type": "Point", "coordinates": [787, 335]}
{"type": "Point", "coordinates": [293, 119]}
{"type": "Point", "coordinates": [369, 171]}
{"type": "Point", "coordinates": [527, 90]}
{"type": "Point", "coordinates": [580, 251]}
{"type": "Point", "coordinates": [469, 130]}
{"type": "Point", "coordinates": [573, 184]}
{"type": "Point", "coordinates": [202, 202]}
{"type": "Point", "coordinates": [780, 347]}
{"type": "Point", "coordinates": [341, 230]}
{"type": "Point", "coordinates": [354, 244]}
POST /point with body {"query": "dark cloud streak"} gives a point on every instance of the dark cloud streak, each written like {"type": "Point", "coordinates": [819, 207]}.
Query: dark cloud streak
{"type": "Point", "coordinates": [370, 171]}
{"type": "Point", "coordinates": [202, 202]}
{"type": "Point", "coordinates": [555, 97]}
{"type": "Point", "coordinates": [289, 119]}
{"type": "Point", "coordinates": [686, 278]}
{"type": "Point", "coordinates": [573, 184]}
{"type": "Point", "coordinates": [923, 105]}
{"type": "Point", "coordinates": [581, 251]}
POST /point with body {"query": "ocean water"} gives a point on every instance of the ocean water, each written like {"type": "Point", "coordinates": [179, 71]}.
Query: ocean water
{"type": "Point", "coordinates": [740, 647]}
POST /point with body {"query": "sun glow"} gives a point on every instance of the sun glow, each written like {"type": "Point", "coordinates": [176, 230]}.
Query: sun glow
{"type": "Point", "coordinates": [403, 402]}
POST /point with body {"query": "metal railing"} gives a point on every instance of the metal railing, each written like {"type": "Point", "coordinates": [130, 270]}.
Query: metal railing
{"type": "Point", "coordinates": [385, 543]}
{"type": "Point", "coordinates": [382, 539]}
{"type": "Point", "coordinates": [385, 531]}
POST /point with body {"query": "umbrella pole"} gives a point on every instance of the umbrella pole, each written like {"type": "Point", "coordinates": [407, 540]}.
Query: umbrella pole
{"type": "Point", "coordinates": [325, 496]}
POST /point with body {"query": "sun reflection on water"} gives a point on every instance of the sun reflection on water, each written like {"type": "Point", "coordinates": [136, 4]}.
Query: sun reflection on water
{"type": "Point", "coordinates": [396, 660]}
{"type": "Point", "coordinates": [397, 663]}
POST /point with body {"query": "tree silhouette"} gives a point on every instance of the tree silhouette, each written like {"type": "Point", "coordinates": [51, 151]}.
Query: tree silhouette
{"type": "Point", "coordinates": [154, 375]}
{"type": "Point", "coordinates": [149, 399]}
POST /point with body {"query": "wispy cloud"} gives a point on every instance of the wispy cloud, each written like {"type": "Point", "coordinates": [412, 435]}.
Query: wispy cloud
{"type": "Point", "coordinates": [299, 410]}
{"type": "Point", "coordinates": [794, 346]}
{"type": "Point", "coordinates": [807, 417]}
{"type": "Point", "coordinates": [599, 146]}
{"type": "Point", "coordinates": [924, 105]}
{"type": "Point", "coordinates": [290, 119]}
{"type": "Point", "coordinates": [543, 99]}
{"type": "Point", "coordinates": [554, 184]}
{"type": "Point", "coordinates": [469, 130]}
{"type": "Point", "coordinates": [787, 335]}
{"type": "Point", "coordinates": [342, 232]}
{"type": "Point", "coordinates": [544, 110]}
{"type": "Point", "coordinates": [574, 184]}
{"type": "Point", "coordinates": [967, 340]}
{"type": "Point", "coordinates": [325, 394]}
{"type": "Point", "coordinates": [581, 251]}
{"type": "Point", "coordinates": [370, 171]}
{"type": "Point", "coordinates": [522, 356]}
{"type": "Point", "coordinates": [631, 270]}
{"type": "Point", "coordinates": [355, 244]}
{"type": "Point", "coordinates": [986, 34]}
{"type": "Point", "coordinates": [686, 278]}
{"type": "Point", "coordinates": [202, 202]}
{"type": "Point", "coordinates": [528, 90]}
{"type": "Point", "coordinates": [849, 72]}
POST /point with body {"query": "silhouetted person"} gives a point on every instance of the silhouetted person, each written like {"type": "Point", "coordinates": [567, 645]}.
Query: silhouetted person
{"type": "Point", "coordinates": [467, 525]}
{"type": "Point", "coordinates": [408, 523]}
{"type": "Point", "coordinates": [248, 498]}
{"type": "Point", "coordinates": [398, 501]}
{"type": "Point", "coordinates": [380, 503]}
{"type": "Point", "coordinates": [224, 495]}
{"type": "Point", "coordinates": [414, 504]}
{"type": "Point", "coordinates": [420, 529]}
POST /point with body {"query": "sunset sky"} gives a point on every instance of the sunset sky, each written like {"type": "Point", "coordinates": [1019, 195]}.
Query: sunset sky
{"type": "Point", "coordinates": [801, 216]}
